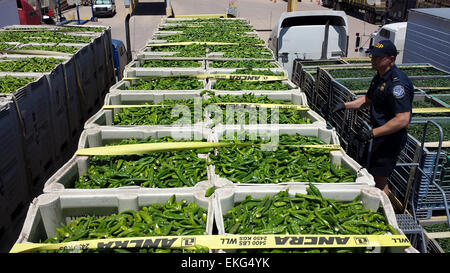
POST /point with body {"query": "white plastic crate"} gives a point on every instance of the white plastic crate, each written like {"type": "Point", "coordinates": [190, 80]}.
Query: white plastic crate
{"type": "Point", "coordinates": [64, 179]}
{"type": "Point", "coordinates": [371, 197]}
{"type": "Point", "coordinates": [138, 63]}
{"type": "Point", "coordinates": [78, 46]}
{"type": "Point", "coordinates": [146, 53]}
{"type": "Point", "coordinates": [214, 70]}
{"type": "Point", "coordinates": [161, 71]}
{"type": "Point", "coordinates": [134, 69]}
{"type": "Point", "coordinates": [291, 87]}
{"type": "Point", "coordinates": [218, 54]}
{"type": "Point", "coordinates": [54, 27]}
{"type": "Point", "coordinates": [159, 36]}
{"type": "Point", "coordinates": [122, 87]}
{"type": "Point", "coordinates": [48, 211]}
{"type": "Point", "coordinates": [340, 158]}
{"type": "Point", "coordinates": [64, 60]}
{"type": "Point", "coordinates": [295, 97]}
{"type": "Point", "coordinates": [210, 67]}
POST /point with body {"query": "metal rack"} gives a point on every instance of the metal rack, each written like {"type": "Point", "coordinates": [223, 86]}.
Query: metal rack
{"type": "Point", "coordinates": [431, 178]}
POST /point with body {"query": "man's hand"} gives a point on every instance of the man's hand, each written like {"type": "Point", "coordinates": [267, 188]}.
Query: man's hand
{"type": "Point", "coordinates": [338, 107]}
{"type": "Point", "coordinates": [364, 135]}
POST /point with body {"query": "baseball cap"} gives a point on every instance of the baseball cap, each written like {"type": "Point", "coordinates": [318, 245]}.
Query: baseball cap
{"type": "Point", "coordinates": [384, 48]}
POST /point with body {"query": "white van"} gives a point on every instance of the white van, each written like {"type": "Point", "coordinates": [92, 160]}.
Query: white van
{"type": "Point", "coordinates": [104, 7]}
{"type": "Point", "coordinates": [309, 35]}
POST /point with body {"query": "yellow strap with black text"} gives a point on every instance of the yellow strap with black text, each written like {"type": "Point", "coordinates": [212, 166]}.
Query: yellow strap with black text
{"type": "Point", "coordinates": [225, 242]}
{"type": "Point", "coordinates": [233, 77]}
{"type": "Point", "coordinates": [261, 105]}
{"type": "Point", "coordinates": [268, 105]}
{"type": "Point", "coordinates": [197, 43]}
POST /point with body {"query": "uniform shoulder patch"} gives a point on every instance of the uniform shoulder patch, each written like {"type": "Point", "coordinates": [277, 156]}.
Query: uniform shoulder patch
{"type": "Point", "coordinates": [398, 91]}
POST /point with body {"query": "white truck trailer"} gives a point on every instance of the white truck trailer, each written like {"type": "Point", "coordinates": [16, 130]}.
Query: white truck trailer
{"type": "Point", "coordinates": [309, 35]}
{"type": "Point", "coordinates": [428, 37]}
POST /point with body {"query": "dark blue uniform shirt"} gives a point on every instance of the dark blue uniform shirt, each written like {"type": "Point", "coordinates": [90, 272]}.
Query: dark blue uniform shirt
{"type": "Point", "coordinates": [390, 94]}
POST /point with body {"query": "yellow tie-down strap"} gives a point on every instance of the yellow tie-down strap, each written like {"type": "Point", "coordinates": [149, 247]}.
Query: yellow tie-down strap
{"type": "Point", "coordinates": [198, 43]}
{"type": "Point", "coordinates": [261, 105]}
{"type": "Point", "coordinates": [268, 105]}
{"type": "Point", "coordinates": [114, 106]}
{"type": "Point", "coordinates": [203, 16]}
{"type": "Point", "coordinates": [244, 77]}
{"type": "Point", "coordinates": [233, 77]}
{"type": "Point", "coordinates": [226, 242]}
{"type": "Point", "coordinates": [431, 110]}
{"type": "Point", "coordinates": [144, 148]}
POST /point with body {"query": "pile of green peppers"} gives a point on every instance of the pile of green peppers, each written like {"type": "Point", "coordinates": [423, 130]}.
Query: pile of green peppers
{"type": "Point", "coordinates": [243, 64]}
{"type": "Point", "coordinates": [222, 84]}
{"type": "Point", "coordinates": [166, 219]}
{"type": "Point", "coordinates": [33, 64]}
{"type": "Point", "coordinates": [9, 84]}
{"type": "Point", "coordinates": [236, 85]}
{"type": "Point", "coordinates": [286, 116]}
{"type": "Point", "coordinates": [252, 164]}
{"type": "Point", "coordinates": [159, 170]}
{"type": "Point", "coordinates": [195, 50]}
{"type": "Point", "coordinates": [163, 115]}
{"type": "Point", "coordinates": [155, 115]}
{"type": "Point", "coordinates": [309, 213]}
{"type": "Point", "coordinates": [42, 37]}
{"type": "Point", "coordinates": [170, 63]}
{"type": "Point", "coordinates": [162, 83]}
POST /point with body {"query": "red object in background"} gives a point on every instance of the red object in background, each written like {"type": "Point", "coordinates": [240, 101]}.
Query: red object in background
{"type": "Point", "coordinates": [51, 13]}
{"type": "Point", "coordinates": [27, 14]}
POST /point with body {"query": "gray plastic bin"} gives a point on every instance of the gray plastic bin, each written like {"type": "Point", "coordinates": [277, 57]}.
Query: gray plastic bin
{"type": "Point", "coordinates": [372, 198]}
{"type": "Point", "coordinates": [48, 211]}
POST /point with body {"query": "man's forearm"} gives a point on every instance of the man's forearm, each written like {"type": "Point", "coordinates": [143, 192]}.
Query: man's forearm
{"type": "Point", "coordinates": [399, 122]}
{"type": "Point", "coordinates": [356, 104]}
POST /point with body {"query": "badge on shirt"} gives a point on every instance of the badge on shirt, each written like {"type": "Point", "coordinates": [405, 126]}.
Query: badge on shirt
{"type": "Point", "coordinates": [382, 86]}
{"type": "Point", "coordinates": [398, 91]}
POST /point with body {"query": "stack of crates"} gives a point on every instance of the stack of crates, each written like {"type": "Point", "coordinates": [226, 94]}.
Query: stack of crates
{"type": "Point", "coordinates": [43, 105]}
{"type": "Point", "coordinates": [182, 66]}
{"type": "Point", "coordinates": [352, 79]}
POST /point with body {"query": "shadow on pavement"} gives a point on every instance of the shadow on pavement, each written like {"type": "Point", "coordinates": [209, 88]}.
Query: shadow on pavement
{"type": "Point", "coordinates": [158, 8]}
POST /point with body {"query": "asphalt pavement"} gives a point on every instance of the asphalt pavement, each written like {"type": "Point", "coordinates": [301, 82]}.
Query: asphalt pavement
{"type": "Point", "coordinates": [262, 14]}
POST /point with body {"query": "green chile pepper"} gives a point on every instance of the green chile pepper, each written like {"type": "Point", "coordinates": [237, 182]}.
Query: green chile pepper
{"type": "Point", "coordinates": [253, 165]}
{"type": "Point", "coordinates": [303, 214]}
{"type": "Point", "coordinates": [157, 219]}
{"type": "Point", "coordinates": [165, 169]}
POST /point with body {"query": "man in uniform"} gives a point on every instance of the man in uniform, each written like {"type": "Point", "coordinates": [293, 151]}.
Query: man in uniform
{"type": "Point", "coordinates": [389, 97]}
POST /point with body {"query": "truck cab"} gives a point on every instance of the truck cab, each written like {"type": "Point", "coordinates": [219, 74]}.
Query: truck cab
{"type": "Point", "coordinates": [309, 35]}
{"type": "Point", "coordinates": [104, 8]}
{"type": "Point", "coordinates": [396, 32]}
{"type": "Point", "coordinates": [28, 14]}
